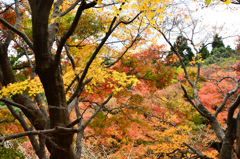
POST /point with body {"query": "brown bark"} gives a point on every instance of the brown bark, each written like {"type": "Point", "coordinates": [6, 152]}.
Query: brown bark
{"type": "Point", "coordinates": [238, 135]}
{"type": "Point", "coordinates": [60, 145]}
{"type": "Point", "coordinates": [32, 112]}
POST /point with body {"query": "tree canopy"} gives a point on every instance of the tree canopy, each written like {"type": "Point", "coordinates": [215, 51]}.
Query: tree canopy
{"type": "Point", "coordinates": [89, 79]}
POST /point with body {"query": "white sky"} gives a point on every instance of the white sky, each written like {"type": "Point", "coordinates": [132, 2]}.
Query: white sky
{"type": "Point", "coordinates": [215, 15]}
{"type": "Point", "coordinates": [224, 15]}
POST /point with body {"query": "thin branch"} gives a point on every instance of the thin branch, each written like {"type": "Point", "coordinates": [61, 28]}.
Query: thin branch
{"type": "Point", "coordinates": [17, 24]}
{"type": "Point", "coordinates": [57, 129]}
{"type": "Point", "coordinates": [7, 7]}
{"type": "Point", "coordinates": [76, 121]}
{"type": "Point", "coordinates": [126, 50]}
{"type": "Point", "coordinates": [21, 34]}
{"type": "Point", "coordinates": [196, 151]}
{"type": "Point", "coordinates": [7, 121]}
{"type": "Point", "coordinates": [110, 30]}
{"type": "Point", "coordinates": [69, 32]}
{"type": "Point", "coordinates": [80, 133]}
{"type": "Point", "coordinates": [198, 74]}
{"type": "Point", "coordinates": [14, 104]}
{"type": "Point", "coordinates": [75, 78]}
{"type": "Point", "coordinates": [99, 108]}
{"type": "Point", "coordinates": [70, 57]}
{"type": "Point", "coordinates": [70, 8]}
{"type": "Point", "coordinates": [113, 63]}
{"type": "Point", "coordinates": [226, 97]}
{"type": "Point", "coordinates": [179, 57]}
{"type": "Point", "coordinates": [191, 102]}
{"type": "Point", "coordinates": [21, 67]}
{"type": "Point", "coordinates": [181, 151]}
{"type": "Point", "coordinates": [79, 90]}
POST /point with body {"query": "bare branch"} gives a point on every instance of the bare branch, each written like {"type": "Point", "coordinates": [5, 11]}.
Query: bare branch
{"type": "Point", "coordinates": [21, 67]}
{"type": "Point", "coordinates": [79, 90]}
{"type": "Point", "coordinates": [7, 121]}
{"type": "Point", "coordinates": [126, 50]}
{"type": "Point", "coordinates": [70, 57]}
{"type": "Point", "coordinates": [191, 102]}
{"type": "Point", "coordinates": [198, 74]}
{"type": "Point", "coordinates": [17, 23]}
{"type": "Point", "coordinates": [70, 8]}
{"type": "Point", "coordinates": [7, 7]}
{"type": "Point", "coordinates": [13, 103]}
{"type": "Point", "coordinates": [176, 52]}
{"type": "Point", "coordinates": [75, 78]}
{"type": "Point", "coordinates": [99, 108]}
{"type": "Point", "coordinates": [228, 94]}
{"type": "Point", "coordinates": [21, 34]}
{"type": "Point", "coordinates": [128, 47]}
{"type": "Point", "coordinates": [196, 151]}
{"type": "Point", "coordinates": [80, 133]}
{"type": "Point", "coordinates": [57, 129]}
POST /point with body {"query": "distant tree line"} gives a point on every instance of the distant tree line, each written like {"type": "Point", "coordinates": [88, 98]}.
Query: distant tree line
{"type": "Point", "coordinates": [217, 54]}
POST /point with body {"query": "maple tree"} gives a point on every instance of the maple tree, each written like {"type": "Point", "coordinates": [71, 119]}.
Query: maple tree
{"type": "Point", "coordinates": [226, 101]}
{"type": "Point", "coordinates": [72, 63]}
{"type": "Point", "coordinates": [68, 40]}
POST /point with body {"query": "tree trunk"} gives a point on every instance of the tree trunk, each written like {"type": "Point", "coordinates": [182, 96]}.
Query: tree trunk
{"type": "Point", "coordinates": [58, 112]}
{"type": "Point", "coordinates": [228, 141]}
{"type": "Point", "coordinates": [238, 135]}
{"type": "Point", "coordinates": [60, 145]}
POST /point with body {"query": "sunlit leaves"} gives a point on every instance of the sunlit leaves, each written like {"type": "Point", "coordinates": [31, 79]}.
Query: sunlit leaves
{"type": "Point", "coordinates": [32, 87]}
{"type": "Point", "coordinates": [227, 2]}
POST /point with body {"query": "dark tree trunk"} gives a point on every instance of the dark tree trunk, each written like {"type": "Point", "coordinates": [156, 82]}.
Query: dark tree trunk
{"type": "Point", "coordinates": [51, 78]}
{"type": "Point", "coordinates": [238, 135]}
{"type": "Point", "coordinates": [228, 141]}
{"type": "Point", "coordinates": [32, 112]}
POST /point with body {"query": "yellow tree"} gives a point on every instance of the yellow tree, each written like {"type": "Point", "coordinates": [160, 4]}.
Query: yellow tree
{"type": "Point", "coordinates": [37, 29]}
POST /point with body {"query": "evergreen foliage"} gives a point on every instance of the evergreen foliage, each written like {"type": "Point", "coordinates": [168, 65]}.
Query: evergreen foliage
{"type": "Point", "coordinates": [217, 42]}
{"type": "Point", "coordinates": [204, 52]}
{"type": "Point", "coordinates": [184, 50]}
{"type": "Point", "coordinates": [221, 54]}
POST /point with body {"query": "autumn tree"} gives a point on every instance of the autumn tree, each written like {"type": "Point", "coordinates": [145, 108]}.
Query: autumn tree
{"type": "Point", "coordinates": [226, 135]}
{"type": "Point", "coordinates": [66, 66]}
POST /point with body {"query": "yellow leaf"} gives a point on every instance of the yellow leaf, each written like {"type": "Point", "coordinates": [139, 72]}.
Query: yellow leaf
{"type": "Point", "coordinates": [227, 2]}
{"type": "Point", "coordinates": [99, 2]}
